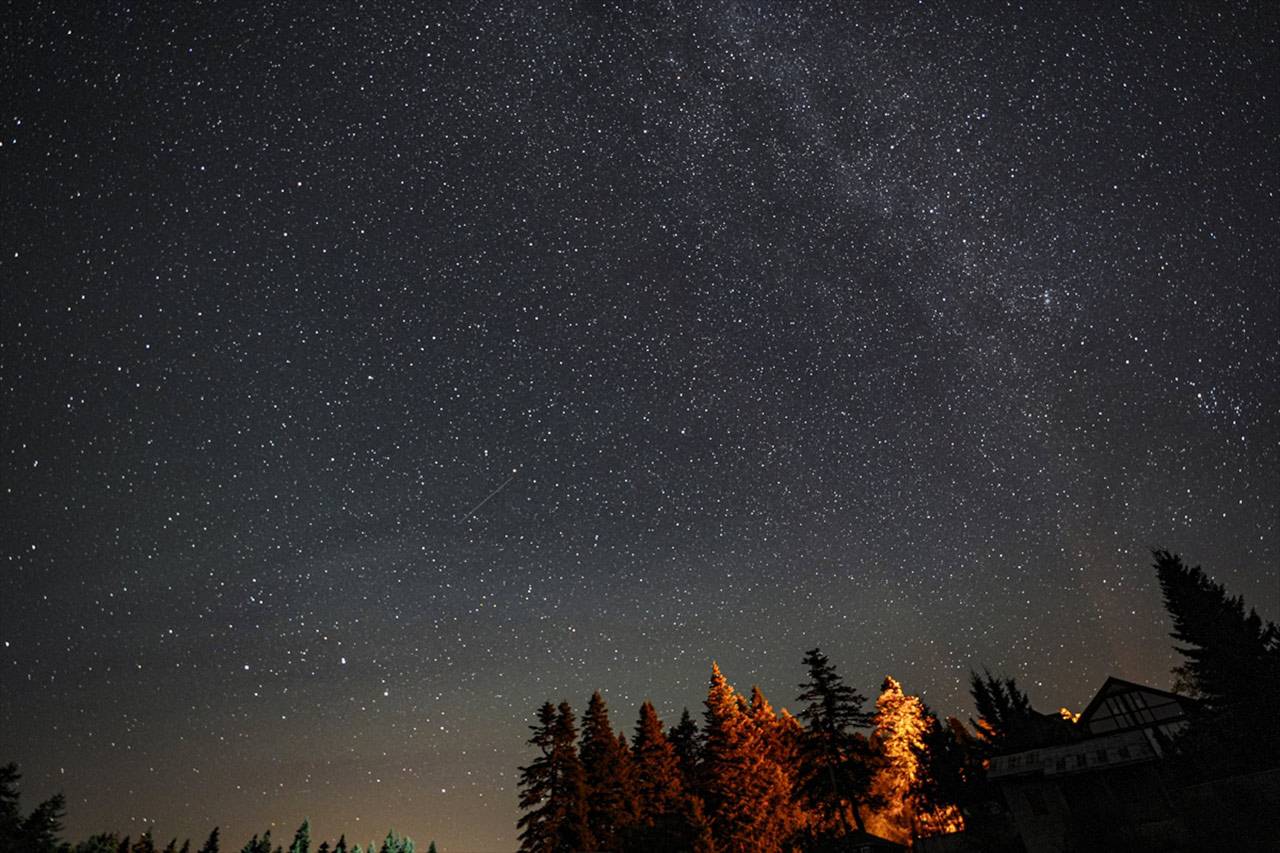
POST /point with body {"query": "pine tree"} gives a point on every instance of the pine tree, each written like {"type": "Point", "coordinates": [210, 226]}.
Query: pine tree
{"type": "Point", "coordinates": [211, 844]}
{"type": "Point", "coordinates": [686, 740]}
{"type": "Point", "coordinates": [341, 846]}
{"type": "Point", "coordinates": [10, 808]}
{"type": "Point", "coordinates": [610, 800]}
{"type": "Point", "coordinates": [553, 787]}
{"type": "Point", "coordinates": [323, 848]}
{"type": "Point", "coordinates": [186, 846]}
{"type": "Point", "coordinates": [172, 846]}
{"type": "Point", "coordinates": [144, 844]}
{"type": "Point", "coordinates": [901, 726]}
{"type": "Point", "coordinates": [302, 838]}
{"type": "Point", "coordinates": [659, 779]}
{"type": "Point", "coordinates": [41, 828]}
{"type": "Point", "coordinates": [746, 793]}
{"type": "Point", "coordinates": [836, 763]}
{"type": "Point", "coordinates": [1232, 657]}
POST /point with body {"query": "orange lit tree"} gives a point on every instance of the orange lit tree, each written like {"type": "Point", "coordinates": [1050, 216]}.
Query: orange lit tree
{"type": "Point", "coordinates": [902, 724]}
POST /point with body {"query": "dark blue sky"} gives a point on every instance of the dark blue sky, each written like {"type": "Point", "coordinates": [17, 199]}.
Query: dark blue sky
{"type": "Point", "coordinates": [902, 330]}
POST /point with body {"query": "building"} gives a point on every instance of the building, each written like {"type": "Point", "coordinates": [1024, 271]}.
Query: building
{"type": "Point", "coordinates": [1103, 788]}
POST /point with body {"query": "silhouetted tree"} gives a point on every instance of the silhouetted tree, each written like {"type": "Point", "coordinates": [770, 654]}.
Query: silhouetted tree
{"type": "Point", "coordinates": [103, 842]}
{"type": "Point", "coordinates": [144, 844]}
{"type": "Point", "coordinates": [302, 838]}
{"type": "Point", "coordinates": [659, 780]}
{"type": "Point", "coordinates": [341, 846]}
{"type": "Point", "coordinates": [211, 843]}
{"type": "Point", "coordinates": [41, 828]}
{"type": "Point", "coordinates": [38, 832]}
{"type": "Point", "coordinates": [1232, 657]}
{"type": "Point", "coordinates": [553, 787]}
{"type": "Point", "coordinates": [1232, 667]}
{"type": "Point", "coordinates": [611, 805]}
{"type": "Point", "coordinates": [686, 740]}
{"type": "Point", "coordinates": [836, 762]}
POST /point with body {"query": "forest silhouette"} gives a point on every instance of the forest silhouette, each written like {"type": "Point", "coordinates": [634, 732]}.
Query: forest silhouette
{"type": "Point", "coordinates": [841, 774]}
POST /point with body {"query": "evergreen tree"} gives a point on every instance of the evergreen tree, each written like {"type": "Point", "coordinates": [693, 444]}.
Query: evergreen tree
{"type": "Point", "coordinates": [211, 844]}
{"type": "Point", "coordinates": [103, 842]}
{"type": "Point", "coordinates": [186, 846]}
{"type": "Point", "coordinates": [125, 846]}
{"type": "Point", "coordinates": [39, 831]}
{"type": "Point", "coordinates": [252, 846]}
{"type": "Point", "coordinates": [610, 799]}
{"type": "Point", "coordinates": [686, 740]}
{"type": "Point", "coordinates": [341, 846]}
{"type": "Point", "coordinates": [901, 726]}
{"type": "Point", "coordinates": [323, 848]}
{"type": "Point", "coordinates": [659, 780]}
{"type": "Point", "coordinates": [1007, 722]}
{"type": "Point", "coordinates": [144, 844]}
{"type": "Point", "coordinates": [431, 848]}
{"type": "Point", "coordinates": [553, 787]}
{"type": "Point", "coordinates": [746, 793]}
{"type": "Point", "coordinates": [41, 828]}
{"type": "Point", "coordinates": [1232, 657]}
{"type": "Point", "coordinates": [10, 808]}
{"type": "Point", "coordinates": [836, 763]}
{"type": "Point", "coordinates": [302, 838]}
{"type": "Point", "coordinates": [172, 846]}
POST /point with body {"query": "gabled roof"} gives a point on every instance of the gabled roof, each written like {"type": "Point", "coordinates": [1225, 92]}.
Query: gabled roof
{"type": "Point", "coordinates": [1114, 686]}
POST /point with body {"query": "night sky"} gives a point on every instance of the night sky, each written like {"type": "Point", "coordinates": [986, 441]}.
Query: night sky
{"type": "Point", "coordinates": [902, 330]}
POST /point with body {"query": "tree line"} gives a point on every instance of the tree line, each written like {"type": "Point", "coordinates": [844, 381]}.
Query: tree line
{"type": "Point", "coordinates": [39, 831]}
{"type": "Point", "coordinates": [752, 778]}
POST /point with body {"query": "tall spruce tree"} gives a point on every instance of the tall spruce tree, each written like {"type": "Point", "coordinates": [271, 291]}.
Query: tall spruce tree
{"type": "Point", "coordinates": [1232, 657]}
{"type": "Point", "coordinates": [145, 843]}
{"type": "Point", "coordinates": [553, 788]}
{"type": "Point", "coordinates": [610, 798]}
{"type": "Point", "coordinates": [686, 740]}
{"type": "Point", "coordinates": [836, 762]}
{"type": "Point", "coordinates": [302, 838]}
{"type": "Point", "coordinates": [902, 724]}
{"type": "Point", "coordinates": [659, 779]}
{"type": "Point", "coordinates": [341, 846]}
{"type": "Point", "coordinates": [211, 843]}
{"type": "Point", "coordinates": [746, 792]}
{"type": "Point", "coordinates": [1232, 667]}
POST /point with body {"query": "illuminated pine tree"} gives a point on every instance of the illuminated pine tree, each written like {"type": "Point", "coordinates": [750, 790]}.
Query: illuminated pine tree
{"type": "Point", "coordinates": [747, 794]}
{"type": "Point", "coordinates": [902, 724]}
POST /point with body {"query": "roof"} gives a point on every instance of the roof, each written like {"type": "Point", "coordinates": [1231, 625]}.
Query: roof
{"type": "Point", "coordinates": [1150, 707]}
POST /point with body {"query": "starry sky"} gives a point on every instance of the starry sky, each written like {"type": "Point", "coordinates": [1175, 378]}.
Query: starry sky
{"type": "Point", "coordinates": [375, 372]}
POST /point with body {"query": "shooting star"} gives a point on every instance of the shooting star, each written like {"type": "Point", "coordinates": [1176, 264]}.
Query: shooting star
{"type": "Point", "coordinates": [490, 496]}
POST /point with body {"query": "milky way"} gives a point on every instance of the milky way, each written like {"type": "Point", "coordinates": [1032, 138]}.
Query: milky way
{"type": "Point", "coordinates": [372, 376]}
